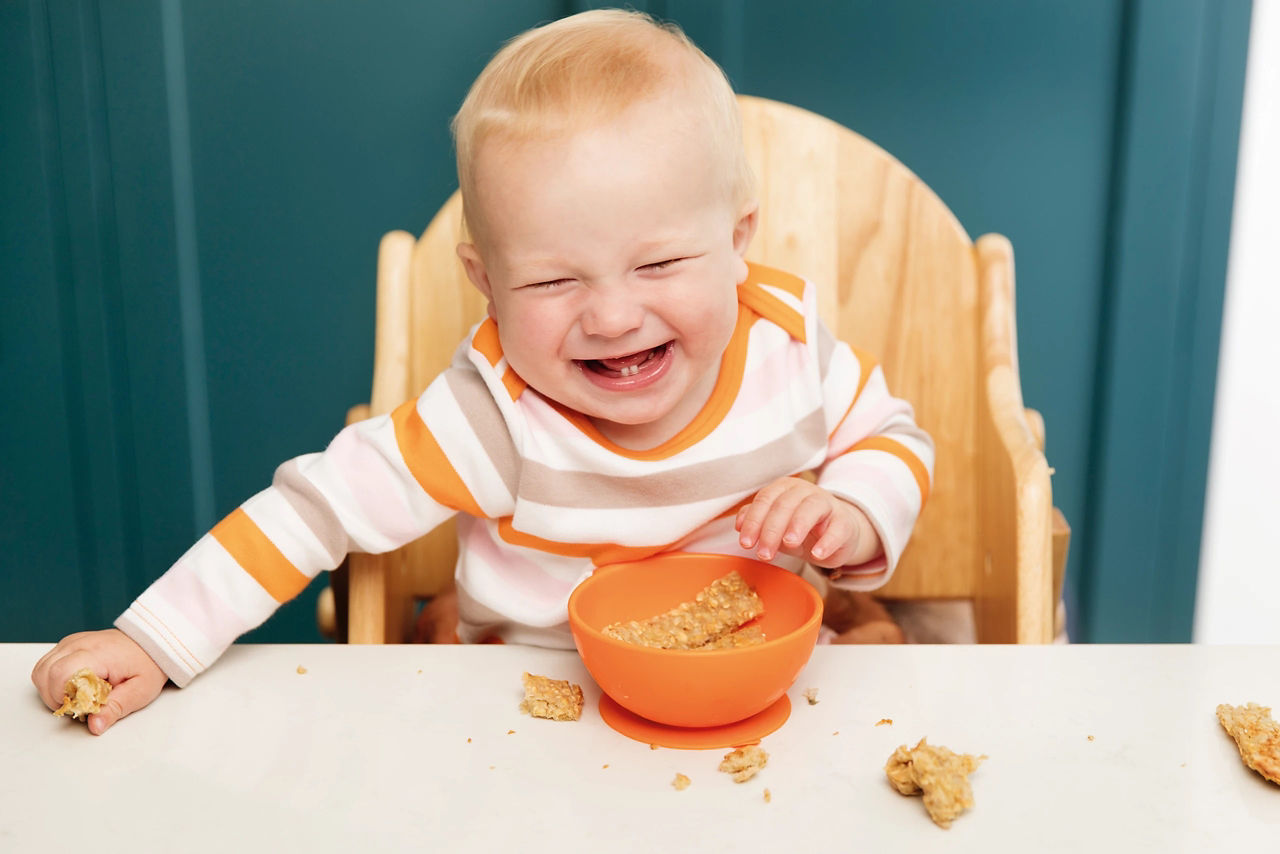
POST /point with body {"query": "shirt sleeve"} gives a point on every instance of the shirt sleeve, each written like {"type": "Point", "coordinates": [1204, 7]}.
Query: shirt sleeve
{"type": "Point", "coordinates": [878, 458]}
{"type": "Point", "coordinates": [380, 484]}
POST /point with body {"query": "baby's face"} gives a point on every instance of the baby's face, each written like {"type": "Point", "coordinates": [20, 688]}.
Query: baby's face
{"type": "Point", "coordinates": [611, 260]}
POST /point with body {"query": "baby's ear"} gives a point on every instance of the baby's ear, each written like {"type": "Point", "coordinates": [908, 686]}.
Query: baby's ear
{"type": "Point", "coordinates": [745, 228]}
{"type": "Point", "coordinates": [474, 265]}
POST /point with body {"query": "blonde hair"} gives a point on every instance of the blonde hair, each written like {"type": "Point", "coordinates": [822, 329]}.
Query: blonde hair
{"type": "Point", "coordinates": [587, 69]}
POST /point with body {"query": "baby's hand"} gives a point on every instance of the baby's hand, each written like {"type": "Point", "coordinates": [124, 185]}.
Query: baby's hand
{"type": "Point", "coordinates": [135, 679]}
{"type": "Point", "coordinates": [799, 518]}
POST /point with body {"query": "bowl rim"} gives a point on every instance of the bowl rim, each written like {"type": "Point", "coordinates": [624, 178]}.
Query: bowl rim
{"type": "Point", "coordinates": [576, 623]}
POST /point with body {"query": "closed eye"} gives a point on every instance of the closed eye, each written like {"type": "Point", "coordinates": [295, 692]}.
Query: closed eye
{"type": "Point", "coordinates": [550, 283]}
{"type": "Point", "coordinates": [662, 265]}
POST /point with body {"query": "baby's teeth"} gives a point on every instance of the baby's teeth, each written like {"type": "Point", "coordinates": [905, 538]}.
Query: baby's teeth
{"type": "Point", "coordinates": [630, 370]}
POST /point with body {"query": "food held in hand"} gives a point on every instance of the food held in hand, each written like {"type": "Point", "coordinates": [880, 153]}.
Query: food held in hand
{"type": "Point", "coordinates": [941, 775]}
{"type": "Point", "coordinates": [554, 699]}
{"type": "Point", "coordinates": [1256, 734]}
{"type": "Point", "coordinates": [83, 695]}
{"type": "Point", "coordinates": [709, 621]}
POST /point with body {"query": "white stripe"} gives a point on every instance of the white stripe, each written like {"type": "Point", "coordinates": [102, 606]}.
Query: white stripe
{"type": "Point", "coordinates": [443, 415]}
{"type": "Point", "coordinates": [280, 524]}
{"type": "Point", "coordinates": [784, 296]}
{"type": "Point", "coordinates": [219, 571]}
{"type": "Point", "coordinates": [629, 526]}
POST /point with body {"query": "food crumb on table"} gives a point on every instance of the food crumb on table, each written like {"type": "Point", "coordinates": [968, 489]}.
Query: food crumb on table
{"type": "Point", "coordinates": [885, 722]}
{"type": "Point", "coordinates": [941, 775]}
{"type": "Point", "coordinates": [552, 699]}
{"type": "Point", "coordinates": [301, 669]}
{"type": "Point", "coordinates": [768, 796]}
{"type": "Point", "coordinates": [681, 782]}
{"type": "Point", "coordinates": [811, 694]}
{"type": "Point", "coordinates": [744, 762]}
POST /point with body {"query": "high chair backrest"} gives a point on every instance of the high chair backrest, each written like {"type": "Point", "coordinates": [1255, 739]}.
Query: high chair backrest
{"type": "Point", "coordinates": [901, 280]}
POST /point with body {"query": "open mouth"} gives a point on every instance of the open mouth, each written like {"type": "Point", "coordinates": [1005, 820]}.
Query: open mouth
{"type": "Point", "coordinates": [629, 368]}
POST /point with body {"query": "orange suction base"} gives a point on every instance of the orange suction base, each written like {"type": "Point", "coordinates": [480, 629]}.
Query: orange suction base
{"type": "Point", "coordinates": [747, 731]}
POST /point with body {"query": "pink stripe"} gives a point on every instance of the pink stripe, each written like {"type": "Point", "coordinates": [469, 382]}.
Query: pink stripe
{"type": "Point", "coordinates": [865, 418]}
{"type": "Point", "coordinates": [878, 472]}
{"type": "Point", "coordinates": [365, 470]}
{"type": "Point", "coordinates": [523, 578]}
{"type": "Point", "coordinates": [875, 566]}
{"type": "Point", "coordinates": [202, 606]}
{"type": "Point", "coordinates": [773, 376]}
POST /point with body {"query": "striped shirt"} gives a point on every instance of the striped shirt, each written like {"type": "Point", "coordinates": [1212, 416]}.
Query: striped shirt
{"type": "Point", "coordinates": [543, 497]}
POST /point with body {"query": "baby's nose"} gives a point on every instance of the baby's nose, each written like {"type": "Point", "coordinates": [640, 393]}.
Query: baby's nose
{"type": "Point", "coordinates": [611, 313]}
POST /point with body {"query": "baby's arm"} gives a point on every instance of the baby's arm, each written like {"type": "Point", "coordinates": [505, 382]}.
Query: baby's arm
{"type": "Point", "coordinates": [381, 483]}
{"type": "Point", "coordinates": [857, 517]}
{"type": "Point", "coordinates": [135, 678]}
{"type": "Point", "coordinates": [878, 460]}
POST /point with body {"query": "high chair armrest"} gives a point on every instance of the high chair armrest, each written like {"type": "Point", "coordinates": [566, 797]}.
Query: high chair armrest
{"type": "Point", "coordinates": [1015, 489]}
{"type": "Point", "coordinates": [359, 412]}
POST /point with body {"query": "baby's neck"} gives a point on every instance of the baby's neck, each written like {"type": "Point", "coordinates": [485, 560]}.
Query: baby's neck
{"type": "Point", "coordinates": [651, 434]}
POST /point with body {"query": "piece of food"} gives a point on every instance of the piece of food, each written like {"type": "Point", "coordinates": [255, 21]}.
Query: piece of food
{"type": "Point", "coordinates": [1256, 734]}
{"type": "Point", "coordinates": [745, 636]}
{"type": "Point", "coordinates": [811, 694]}
{"type": "Point", "coordinates": [83, 695]}
{"type": "Point", "coordinates": [718, 609]}
{"type": "Point", "coordinates": [941, 775]}
{"type": "Point", "coordinates": [744, 763]}
{"type": "Point", "coordinates": [554, 699]}
{"type": "Point", "coordinates": [681, 782]}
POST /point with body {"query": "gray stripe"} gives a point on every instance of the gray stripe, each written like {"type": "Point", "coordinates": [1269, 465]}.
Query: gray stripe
{"type": "Point", "coordinates": [312, 507]}
{"type": "Point", "coordinates": [485, 419]}
{"type": "Point", "coordinates": [740, 474]}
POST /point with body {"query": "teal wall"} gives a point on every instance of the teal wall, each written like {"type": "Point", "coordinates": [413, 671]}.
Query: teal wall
{"type": "Point", "coordinates": [193, 193]}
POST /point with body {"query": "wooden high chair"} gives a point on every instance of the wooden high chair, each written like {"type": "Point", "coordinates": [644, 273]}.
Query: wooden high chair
{"type": "Point", "coordinates": [902, 281]}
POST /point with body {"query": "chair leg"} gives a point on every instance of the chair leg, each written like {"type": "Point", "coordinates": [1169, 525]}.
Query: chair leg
{"type": "Point", "coordinates": [366, 599]}
{"type": "Point", "coordinates": [1061, 541]}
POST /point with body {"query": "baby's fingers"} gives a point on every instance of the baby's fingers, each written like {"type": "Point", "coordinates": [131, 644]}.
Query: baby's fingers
{"type": "Point", "coordinates": [127, 697]}
{"type": "Point", "coordinates": [775, 523]}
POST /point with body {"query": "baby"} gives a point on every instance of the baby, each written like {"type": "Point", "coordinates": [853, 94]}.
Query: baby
{"type": "Point", "coordinates": [637, 386]}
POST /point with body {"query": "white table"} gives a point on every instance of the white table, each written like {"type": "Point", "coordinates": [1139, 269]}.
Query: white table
{"type": "Point", "coordinates": [407, 748]}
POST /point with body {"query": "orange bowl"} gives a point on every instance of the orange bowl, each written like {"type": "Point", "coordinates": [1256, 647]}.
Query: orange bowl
{"type": "Point", "coordinates": [693, 688]}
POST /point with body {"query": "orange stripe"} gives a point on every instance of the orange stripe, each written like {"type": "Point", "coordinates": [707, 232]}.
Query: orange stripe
{"type": "Point", "coordinates": [774, 277]}
{"type": "Point", "coordinates": [599, 553]}
{"type": "Point", "coordinates": [866, 364]}
{"type": "Point", "coordinates": [772, 309]}
{"type": "Point", "coordinates": [733, 365]}
{"type": "Point", "coordinates": [486, 341]}
{"type": "Point", "coordinates": [899, 450]}
{"type": "Point", "coordinates": [515, 385]}
{"type": "Point", "coordinates": [427, 461]}
{"type": "Point", "coordinates": [258, 556]}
